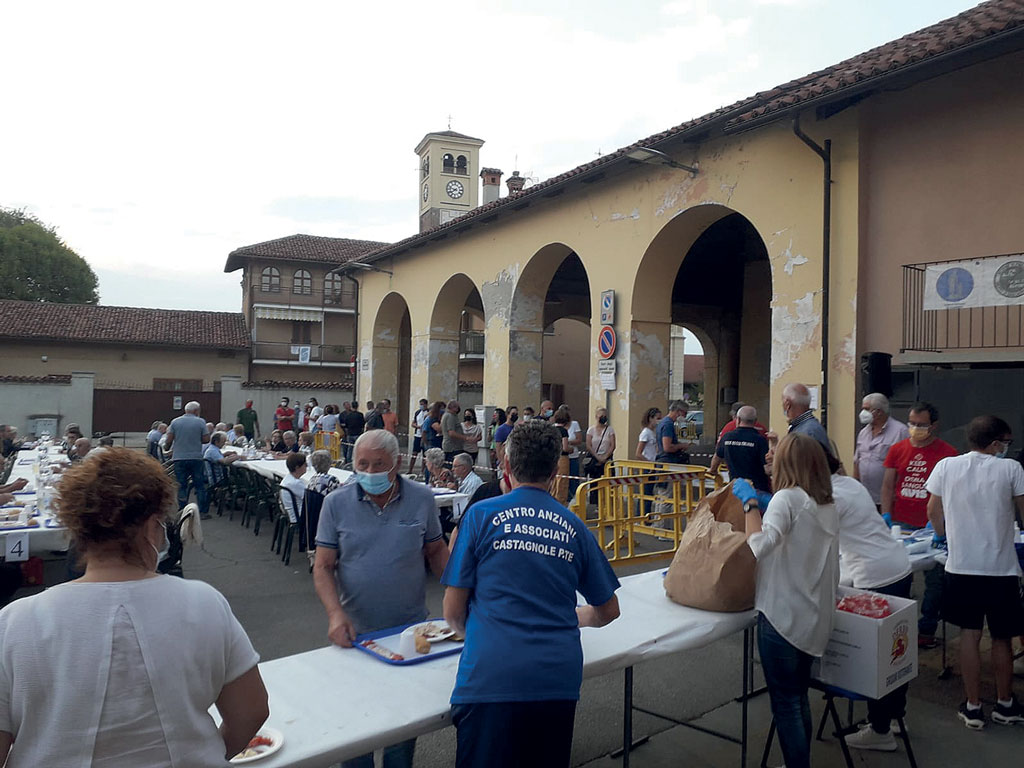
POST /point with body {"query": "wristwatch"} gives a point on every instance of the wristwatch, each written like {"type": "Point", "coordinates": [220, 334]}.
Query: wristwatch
{"type": "Point", "coordinates": [751, 505]}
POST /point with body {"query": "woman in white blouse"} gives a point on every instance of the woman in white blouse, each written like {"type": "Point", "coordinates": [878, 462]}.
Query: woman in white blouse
{"type": "Point", "coordinates": [121, 666]}
{"type": "Point", "coordinates": [797, 549]}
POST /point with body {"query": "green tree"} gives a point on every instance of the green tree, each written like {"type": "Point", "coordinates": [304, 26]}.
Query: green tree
{"type": "Point", "coordinates": [36, 265]}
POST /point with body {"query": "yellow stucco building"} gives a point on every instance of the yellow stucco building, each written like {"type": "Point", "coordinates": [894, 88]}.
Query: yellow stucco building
{"type": "Point", "coordinates": [778, 229]}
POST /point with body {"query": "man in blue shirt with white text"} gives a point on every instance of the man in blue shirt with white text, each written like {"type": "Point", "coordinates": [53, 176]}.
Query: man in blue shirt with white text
{"type": "Point", "coordinates": [512, 578]}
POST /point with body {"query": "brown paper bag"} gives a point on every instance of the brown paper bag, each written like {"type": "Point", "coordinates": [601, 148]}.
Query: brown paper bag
{"type": "Point", "coordinates": [713, 569]}
{"type": "Point", "coordinates": [725, 507]}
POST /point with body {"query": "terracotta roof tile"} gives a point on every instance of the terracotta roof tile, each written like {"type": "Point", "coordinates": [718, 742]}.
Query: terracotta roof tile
{"type": "Point", "coordinates": [970, 27]}
{"type": "Point", "coordinates": [344, 384]}
{"type": "Point", "coordinates": [50, 378]}
{"type": "Point", "coordinates": [45, 321]}
{"type": "Point", "coordinates": [309, 248]}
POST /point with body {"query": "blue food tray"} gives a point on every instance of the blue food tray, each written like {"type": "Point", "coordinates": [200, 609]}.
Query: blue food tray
{"type": "Point", "coordinates": [397, 631]}
{"type": "Point", "coordinates": [20, 528]}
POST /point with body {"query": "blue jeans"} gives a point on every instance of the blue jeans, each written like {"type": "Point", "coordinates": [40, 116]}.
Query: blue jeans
{"type": "Point", "coordinates": [184, 469]}
{"type": "Point", "coordinates": [931, 603]}
{"type": "Point", "coordinates": [787, 673]}
{"type": "Point", "coordinates": [396, 756]}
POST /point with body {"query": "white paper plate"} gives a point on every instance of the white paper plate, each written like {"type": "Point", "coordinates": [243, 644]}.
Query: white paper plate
{"type": "Point", "coordinates": [270, 733]}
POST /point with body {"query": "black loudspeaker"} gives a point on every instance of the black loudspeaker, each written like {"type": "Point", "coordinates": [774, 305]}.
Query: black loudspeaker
{"type": "Point", "coordinates": [876, 373]}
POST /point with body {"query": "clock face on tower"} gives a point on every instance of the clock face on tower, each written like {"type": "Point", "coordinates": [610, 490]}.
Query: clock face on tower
{"type": "Point", "coordinates": [426, 192]}
{"type": "Point", "coordinates": [454, 189]}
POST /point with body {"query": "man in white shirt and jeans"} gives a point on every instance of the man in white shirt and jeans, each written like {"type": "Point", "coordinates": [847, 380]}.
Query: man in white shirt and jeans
{"type": "Point", "coordinates": [972, 504]}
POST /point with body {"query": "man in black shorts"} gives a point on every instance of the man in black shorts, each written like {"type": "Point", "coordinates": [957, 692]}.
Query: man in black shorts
{"type": "Point", "coordinates": [744, 450]}
{"type": "Point", "coordinates": [972, 504]}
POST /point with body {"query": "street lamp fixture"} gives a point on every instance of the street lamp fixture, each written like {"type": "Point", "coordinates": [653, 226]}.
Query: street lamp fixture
{"type": "Point", "coordinates": [657, 157]}
{"type": "Point", "coordinates": [368, 268]}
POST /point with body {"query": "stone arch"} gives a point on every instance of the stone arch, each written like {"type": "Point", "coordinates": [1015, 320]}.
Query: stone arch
{"type": "Point", "coordinates": [391, 356]}
{"type": "Point", "coordinates": [706, 269]}
{"type": "Point", "coordinates": [553, 285]}
{"type": "Point", "coordinates": [451, 350]}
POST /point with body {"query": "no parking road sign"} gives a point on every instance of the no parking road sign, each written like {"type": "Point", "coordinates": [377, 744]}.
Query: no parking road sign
{"type": "Point", "coordinates": [606, 342]}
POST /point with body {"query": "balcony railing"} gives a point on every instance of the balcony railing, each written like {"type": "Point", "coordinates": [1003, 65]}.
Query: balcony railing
{"type": "Point", "coordinates": [471, 343]}
{"type": "Point", "coordinates": [286, 296]}
{"type": "Point", "coordinates": [939, 330]}
{"type": "Point", "coordinates": [292, 352]}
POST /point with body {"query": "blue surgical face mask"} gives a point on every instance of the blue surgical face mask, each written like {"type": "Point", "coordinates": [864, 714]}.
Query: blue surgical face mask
{"type": "Point", "coordinates": [374, 483]}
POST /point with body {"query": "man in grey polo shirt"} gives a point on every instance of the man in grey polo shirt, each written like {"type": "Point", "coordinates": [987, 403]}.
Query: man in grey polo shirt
{"type": "Point", "coordinates": [371, 542]}
{"type": "Point", "coordinates": [186, 436]}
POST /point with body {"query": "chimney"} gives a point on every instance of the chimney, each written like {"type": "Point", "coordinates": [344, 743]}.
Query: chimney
{"type": "Point", "coordinates": [515, 183]}
{"type": "Point", "coordinates": [492, 184]}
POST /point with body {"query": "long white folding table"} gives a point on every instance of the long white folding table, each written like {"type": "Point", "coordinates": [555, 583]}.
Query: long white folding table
{"type": "Point", "coordinates": [277, 469]}
{"type": "Point", "coordinates": [333, 704]}
{"type": "Point", "coordinates": [47, 536]}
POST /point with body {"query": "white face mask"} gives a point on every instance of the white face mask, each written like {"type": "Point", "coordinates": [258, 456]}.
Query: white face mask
{"type": "Point", "coordinates": [865, 417]}
{"type": "Point", "coordinates": [161, 554]}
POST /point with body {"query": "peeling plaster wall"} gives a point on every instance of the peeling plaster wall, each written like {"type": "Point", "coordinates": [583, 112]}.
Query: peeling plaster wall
{"type": "Point", "coordinates": [631, 230]}
{"type": "Point", "coordinates": [796, 329]}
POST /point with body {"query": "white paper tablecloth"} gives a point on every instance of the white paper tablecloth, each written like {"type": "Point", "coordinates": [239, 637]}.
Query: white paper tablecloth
{"type": "Point", "coordinates": [276, 468]}
{"type": "Point", "coordinates": [333, 704]}
{"type": "Point", "coordinates": [41, 539]}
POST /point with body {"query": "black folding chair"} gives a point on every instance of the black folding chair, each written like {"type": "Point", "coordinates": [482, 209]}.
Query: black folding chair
{"type": "Point", "coordinates": [284, 528]}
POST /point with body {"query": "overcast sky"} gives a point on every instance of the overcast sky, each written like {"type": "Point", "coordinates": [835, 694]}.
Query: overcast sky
{"type": "Point", "coordinates": [158, 137]}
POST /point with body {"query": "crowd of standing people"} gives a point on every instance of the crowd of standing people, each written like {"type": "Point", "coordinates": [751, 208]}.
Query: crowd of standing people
{"type": "Point", "coordinates": [804, 512]}
{"type": "Point", "coordinates": [514, 697]}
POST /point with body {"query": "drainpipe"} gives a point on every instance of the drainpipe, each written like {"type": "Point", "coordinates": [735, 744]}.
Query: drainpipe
{"type": "Point", "coordinates": [355, 333]}
{"type": "Point", "coordinates": [825, 153]}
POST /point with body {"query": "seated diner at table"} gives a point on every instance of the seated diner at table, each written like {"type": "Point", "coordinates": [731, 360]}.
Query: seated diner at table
{"type": "Point", "coordinates": [276, 442]}
{"type": "Point", "coordinates": [121, 666]}
{"type": "Point", "coordinates": [289, 444]}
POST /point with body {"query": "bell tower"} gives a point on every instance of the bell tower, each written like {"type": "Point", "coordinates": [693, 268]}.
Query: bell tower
{"type": "Point", "coordinates": [449, 169]}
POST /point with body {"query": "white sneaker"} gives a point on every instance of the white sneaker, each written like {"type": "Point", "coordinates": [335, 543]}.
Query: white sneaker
{"type": "Point", "coordinates": [894, 728]}
{"type": "Point", "coordinates": [867, 738]}
{"type": "Point", "coordinates": [1018, 667]}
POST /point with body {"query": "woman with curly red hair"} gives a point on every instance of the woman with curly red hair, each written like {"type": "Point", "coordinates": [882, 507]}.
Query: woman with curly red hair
{"type": "Point", "coordinates": [121, 666]}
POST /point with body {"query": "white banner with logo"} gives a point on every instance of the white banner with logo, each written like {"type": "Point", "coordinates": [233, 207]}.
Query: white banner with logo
{"type": "Point", "coordinates": [989, 282]}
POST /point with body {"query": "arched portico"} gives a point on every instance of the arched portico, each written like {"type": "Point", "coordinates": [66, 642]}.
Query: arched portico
{"type": "Point", "coordinates": [553, 285]}
{"type": "Point", "coordinates": [706, 269]}
{"type": "Point", "coordinates": [389, 356]}
{"type": "Point", "coordinates": [439, 349]}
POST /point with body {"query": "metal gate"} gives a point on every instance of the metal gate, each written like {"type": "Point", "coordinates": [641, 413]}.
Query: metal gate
{"type": "Point", "coordinates": [128, 410]}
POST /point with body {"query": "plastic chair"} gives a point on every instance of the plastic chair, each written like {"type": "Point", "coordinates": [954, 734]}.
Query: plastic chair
{"type": "Point", "coordinates": [312, 503]}
{"type": "Point", "coordinates": [267, 498]}
{"type": "Point", "coordinates": [284, 528]}
{"type": "Point", "coordinates": [172, 563]}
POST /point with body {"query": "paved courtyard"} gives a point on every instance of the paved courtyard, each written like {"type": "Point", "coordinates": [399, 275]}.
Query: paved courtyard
{"type": "Point", "coordinates": [282, 615]}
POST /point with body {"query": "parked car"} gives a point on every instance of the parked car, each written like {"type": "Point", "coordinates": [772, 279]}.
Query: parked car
{"type": "Point", "coordinates": [696, 418]}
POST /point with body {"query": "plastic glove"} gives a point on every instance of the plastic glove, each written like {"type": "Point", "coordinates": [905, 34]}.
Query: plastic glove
{"type": "Point", "coordinates": [743, 490]}
{"type": "Point", "coordinates": [887, 519]}
{"type": "Point", "coordinates": [763, 497]}
{"type": "Point", "coordinates": [938, 542]}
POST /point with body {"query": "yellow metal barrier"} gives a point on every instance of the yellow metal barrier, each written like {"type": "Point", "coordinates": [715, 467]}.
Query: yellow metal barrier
{"type": "Point", "coordinates": [328, 441]}
{"type": "Point", "coordinates": [643, 499]}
